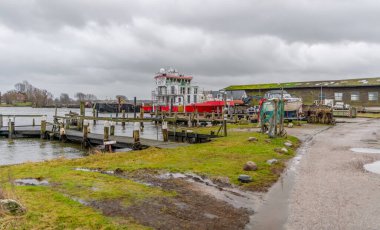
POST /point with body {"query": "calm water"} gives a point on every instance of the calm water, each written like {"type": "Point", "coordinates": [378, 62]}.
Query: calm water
{"type": "Point", "coordinates": [23, 150]}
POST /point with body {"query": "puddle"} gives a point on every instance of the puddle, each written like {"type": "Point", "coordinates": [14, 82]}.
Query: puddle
{"type": "Point", "coordinates": [366, 150]}
{"type": "Point", "coordinates": [31, 182]}
{"type": "Point", "coordinates": [373, 167]}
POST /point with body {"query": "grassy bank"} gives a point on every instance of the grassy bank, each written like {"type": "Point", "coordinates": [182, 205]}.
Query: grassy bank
{"type": "Point", "coordinates": [68, 201]}
{"type": "Point", "coordinates": [368, 115]}
{"type": "Point", "coordinates": [20, 104]}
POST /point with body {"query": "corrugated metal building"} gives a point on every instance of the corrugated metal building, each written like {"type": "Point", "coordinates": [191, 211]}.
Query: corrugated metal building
{"type": "Point", "coordinates": [362, 92]}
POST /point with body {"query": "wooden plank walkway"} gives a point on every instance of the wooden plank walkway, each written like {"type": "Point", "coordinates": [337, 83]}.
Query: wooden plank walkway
{"type": "Point", "coordinates": [121, 141]}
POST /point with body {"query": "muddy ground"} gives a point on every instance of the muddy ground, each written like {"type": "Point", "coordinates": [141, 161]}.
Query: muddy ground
{"type": "Point", "coordinates": [191, 208]}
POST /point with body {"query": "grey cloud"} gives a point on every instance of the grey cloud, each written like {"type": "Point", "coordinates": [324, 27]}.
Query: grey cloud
{"type": "Point", "coordinates": [115, 47]}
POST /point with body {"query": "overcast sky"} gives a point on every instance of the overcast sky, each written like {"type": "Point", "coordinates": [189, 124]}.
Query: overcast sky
{"type": "Point", "coordinates": [110, 47]}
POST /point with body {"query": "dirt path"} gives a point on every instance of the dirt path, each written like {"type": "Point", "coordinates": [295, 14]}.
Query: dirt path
{"type": "Point", "coordinates": [331, 190]}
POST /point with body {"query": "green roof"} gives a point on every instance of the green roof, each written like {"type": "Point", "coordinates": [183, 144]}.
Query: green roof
{"type": "Point", "coordinates": [310, 84]}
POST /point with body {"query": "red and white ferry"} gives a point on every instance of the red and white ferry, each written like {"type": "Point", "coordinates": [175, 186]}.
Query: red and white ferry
{"type": "Point", "coordinates": [175, 92]}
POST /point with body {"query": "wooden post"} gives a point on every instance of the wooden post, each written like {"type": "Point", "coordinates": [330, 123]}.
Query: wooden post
{"type": "Point", "coordinates": [85, 135]}
{"type": "Point", "coordinates": [165, 133]}
{"type": "Point", "coordinates": [134, 107]}
{"type": "Point", "coordinates": [43, 129]}
{"type": "Point", "coordinates": [62, 133]}
{"type": "Point", "coordinates": [34, 122]}
{"type": "Point", "coordinates": [112, 129]}
{"type": "Point", "coordinates": [190, 121]}
{"type": "Point", "coordinates": [67, 125]}
{"type": "Point", "coordinates": [94, 115]}
{"type": "Point", "coordinates": [1, 120]}
{"type": "Point", "coordinates": [82, 113]}
{"type": "Point", "coordinates": [123, 114]}
{"type": "Point", "coordinates": [11, 128]}
{"type": "Point", "coordinates": [106, 130]}
{"type": "Point", "coordinates": [136, 135]}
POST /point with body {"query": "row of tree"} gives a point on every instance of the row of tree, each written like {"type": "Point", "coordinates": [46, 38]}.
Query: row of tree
{"type": "Point", "coordinates": [26, 92]}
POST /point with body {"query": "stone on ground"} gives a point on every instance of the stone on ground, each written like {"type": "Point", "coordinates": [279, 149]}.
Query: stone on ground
{"type": "Point", "coordinates": [11, 207]}
{"type": "Point", "coordinates": [252, 139]}
{"type": "Point", "coordinates": [250, 166]}
{"type": "Point", "coordinates": [245, 178]}
{"type": "Point", "coordinates": [272, 161]}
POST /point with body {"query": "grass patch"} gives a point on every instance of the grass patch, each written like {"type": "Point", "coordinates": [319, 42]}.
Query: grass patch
{"type": "Point", "coordinates": [368, 115]}
{"type": "Point", "coordinates": [53, 206]}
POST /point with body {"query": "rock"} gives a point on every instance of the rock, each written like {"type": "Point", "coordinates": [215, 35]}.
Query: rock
{"type": "Point", "coordinates": [11, 207]}
{"type": "Point", "coordinates": [250, 166]}
{"type": "Point", "coordinates": [288, 144]}
{"type": "Point", "coordinates": [252, 139]}
{"type": "Point", "coordinates": [272, 161]}
{"type": "Point", "coordinates": [290, 125]}
{"type": "Point", "coordinates": [284, 150]}
{"type": "Point", "coordinates": [277, 150]}
{"type": "Point", "coordinates": [268, 140]}
{"type": "Point", "coordinates": [244, 178]}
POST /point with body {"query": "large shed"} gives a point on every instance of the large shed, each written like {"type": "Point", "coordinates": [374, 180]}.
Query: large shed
{"type": "Point", "coordinates": [363, 92]}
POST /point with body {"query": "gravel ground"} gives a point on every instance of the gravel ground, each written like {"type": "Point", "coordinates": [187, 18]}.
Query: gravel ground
{"type": "Point", "coordinates": [331, 189]}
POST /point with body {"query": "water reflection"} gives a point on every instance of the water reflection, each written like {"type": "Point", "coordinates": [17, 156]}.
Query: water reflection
{"type": "Point", "coordinates": [24, 150]}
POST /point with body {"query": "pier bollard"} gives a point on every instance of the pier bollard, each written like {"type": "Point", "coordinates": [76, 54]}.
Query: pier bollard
{"type": "Point", "coordinates": [136, 135]}
{"type": "Point", "coordinates": [62, 133]}
{"type": "Point", "coordinates": [106, 130]}
{"type": "Point", "coordinates": [43, 127]}
{"type": "Point", "coordinates": [11, 127]}
{"type": "Point", "coordinates": [112, 129]}
{"type": "Point", "coordinates": [85, 135]}
{"type": "Point", "coordinates": [1, 120]}
{"type": "Point", "coordinates": [123, 115]}
{"type": "Point", "coordinates": [165, 133]}
{"type": "Point", "coordinates": [94, 115]}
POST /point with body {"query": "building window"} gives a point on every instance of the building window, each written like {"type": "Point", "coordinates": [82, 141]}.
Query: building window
{"type": "Point", "coordinates": [338, 96]}
{"type": "Point", "coordinates": [188, 99]}
{"type": "Point", "coordinates": [182, 90]}
{"type": "Point", "coordinates": [188, 90]}
{"type": "Point", "coordinates": [195, 98]}
{"type": "Point", "coordinates": [179, 100]}
{"type": "Point", "coordinates": [195, 90]}
{"type": "Point", "coordinates": [172, 90]}
{"type": "Point", "coordinates": [373, 96]}
{"type": "Point", "coordinates": [355, 96]}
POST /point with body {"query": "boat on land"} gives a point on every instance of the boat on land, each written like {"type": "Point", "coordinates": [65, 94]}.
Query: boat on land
{"type": "Point", "coordinates": [291, 103]}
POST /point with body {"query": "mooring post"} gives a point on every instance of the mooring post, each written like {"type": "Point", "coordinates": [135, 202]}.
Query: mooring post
{"type": "Point", "coordinates": [225, 114]}
{"type": "Point", "coordinates": [94, 115]}
{"type": "Point", "coordinates": [67, 124]}
{"type": "Point", "coordinates": [85, 135]}
{"type": "Point", "coordinates": [43, 127]}
{"type": "Point", "coordinates": [189, 123]}
{"type": "Point", "coordinates": [134, 107]}
{"type": "Point", "coordinates": [112, 129]}
{"type": "Point", "coordinates": [165, 133]}
{"type": "Point", "coordinates": [141, 117]}
{"type": "Point", "coordinates": [123, 115]}
{"type": "Point", "coordinates": [82, 114]}
{"type": "Point", "coordinates": [62, 132]}
{"type": "Point", "coordinates": [34, 122]}
{"type": "Point", "coordinates": [136, 134]}
{"type": "Point", "coordinates": [106, 130]}
{"type": "Point", "coordinates": [11, 128]}
{"type": "Point", "coordinates": [1, 120]}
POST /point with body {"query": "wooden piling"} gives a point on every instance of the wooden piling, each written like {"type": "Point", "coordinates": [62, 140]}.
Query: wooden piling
{"type": "Point", "coordinates": [85, 135]}
{"type": "Point", "coordinates": [123, 115]}
{"type": "Point", "coordinates": [165, 133]}
{"type": "Point", "coordinates": [11, 128]}
{"type": "Point", "coordinates": [1, 120]}
{"type": "Point", "coordinates": [106, 133]}
{"type": "Point", "coordinates": [134, 107]}
{"type": "Point", "coordinates": [136, 135]}
{"type": "Point", "coordinates": [94, 115]}
{"type": "Point", "coordinates": [43, 129]}
{"type": "Point", "coordinates": [82, 113]}
{"type": "Point", "coordinates": [112, 129]}
{"type": "Point", "coordinates": [34, 122]}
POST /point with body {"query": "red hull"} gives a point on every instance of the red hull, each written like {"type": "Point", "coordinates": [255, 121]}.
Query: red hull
{"type": "Point", "coordinates": [204, 107]}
